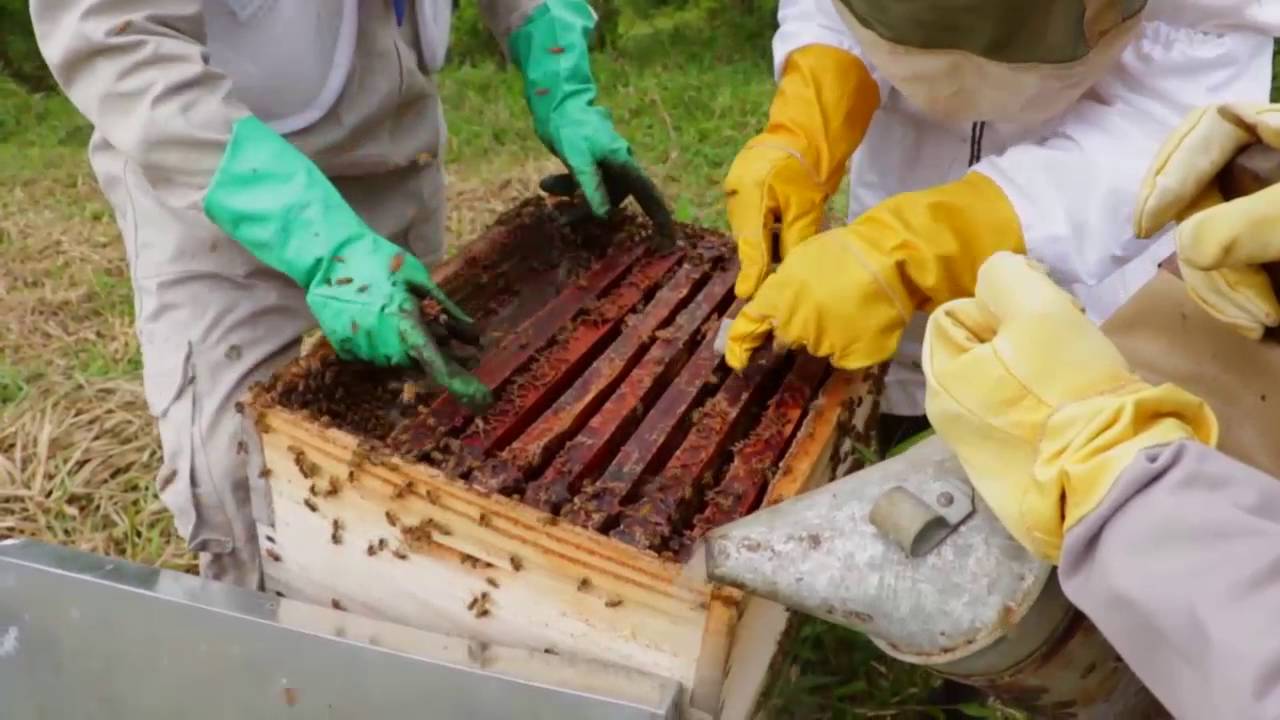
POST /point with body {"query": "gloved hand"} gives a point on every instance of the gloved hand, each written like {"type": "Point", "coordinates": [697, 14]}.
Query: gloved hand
{"type": "Point", "coordinates": [848, 293]}
{"type": "Point", "coordinates": [1038, 405]}
{"type": "Point", "coordinates": [1221, 246]}
{"type": "Point", "coordinates": [782, 178]}
{"type": "Point", "coordinates": [362, 288]}
{"type": "Point", "coordinates": [550, 49]}
{"type": "Point", "coordinates": [620, 183]}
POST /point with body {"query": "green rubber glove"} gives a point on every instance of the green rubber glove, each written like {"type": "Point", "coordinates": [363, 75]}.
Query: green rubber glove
{"type": "Point", "coordinates": [362, 288]}
{"type": "Point", "coordinates": [550, 49]}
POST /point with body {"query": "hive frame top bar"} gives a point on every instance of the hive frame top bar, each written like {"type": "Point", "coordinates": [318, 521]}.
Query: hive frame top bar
{"type": "Point", "coordinates": [87, 636]}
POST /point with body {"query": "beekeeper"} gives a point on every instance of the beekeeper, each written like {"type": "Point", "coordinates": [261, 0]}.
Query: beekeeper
{"type": "Point", "coordinates": [1168, 545]}
{"type": "Point", "coordinates": [268, 164]}
{"type": "Point", "coordinates": [973, 127]}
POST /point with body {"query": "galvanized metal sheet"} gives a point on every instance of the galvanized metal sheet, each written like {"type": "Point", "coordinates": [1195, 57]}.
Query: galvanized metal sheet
{"type": "Point", "coordinates": [83, 636]}
{"type": "Point", "coordinates": [820, 553]}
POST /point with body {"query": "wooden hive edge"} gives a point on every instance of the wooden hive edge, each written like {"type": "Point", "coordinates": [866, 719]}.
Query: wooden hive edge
{"type": "Point", "coordinates": [716, 676]}
{"type": "Point", "coordinates": [506, 517]}
{"type": "Point", "coordinates": [539, 602]}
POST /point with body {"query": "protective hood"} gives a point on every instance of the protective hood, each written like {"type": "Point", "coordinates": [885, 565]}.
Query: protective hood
{"type": "Point", "coordinates": [992, 60]}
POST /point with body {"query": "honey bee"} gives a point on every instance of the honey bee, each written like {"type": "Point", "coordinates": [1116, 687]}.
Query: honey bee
{"type": "Point", "coordinates": [400, 554]}
{"type": "Point", "coordinates": [584, 584]}
{"type": "Point", "coordinates": [337, 604]}
{"type": "Point", "coordinates": [311, 504]}
{"type": "Point", "coordinates": [516, 563]}
{"type": "Point", "coordinates": [409, 393]}
{"type": "Point", "coordinates": [491, 583]}
{"type": "Point", "coordinates": [484, 521]}
{"type": "Point", "coordinates": [306, 467]}
{"type": "Point", "coordinates": [612, 601]}
{"type": "Point", "coordinates": [360, 455]}
{"type": "Point", "coordinates": [392, 519]}
{"type": "Point", "coordinates": [479, 605]}
{"type": "Point", "coordinates": [271, 553]}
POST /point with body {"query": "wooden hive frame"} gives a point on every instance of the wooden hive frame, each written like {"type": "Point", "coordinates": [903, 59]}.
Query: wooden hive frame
{"type": "Point", "coordinates": [406, 542]}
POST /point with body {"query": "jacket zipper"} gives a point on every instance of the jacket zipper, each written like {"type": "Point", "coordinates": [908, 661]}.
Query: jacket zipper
{"type": "Point", "coordinates": [976, 132]}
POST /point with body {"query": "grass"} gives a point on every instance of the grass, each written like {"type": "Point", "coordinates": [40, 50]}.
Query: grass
{"type": "Point", "coordinates": [78, 451]}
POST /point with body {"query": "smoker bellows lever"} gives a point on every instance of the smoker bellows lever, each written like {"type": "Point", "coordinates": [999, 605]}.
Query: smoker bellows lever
{"type": "Point", "coordinates": [906, 553]}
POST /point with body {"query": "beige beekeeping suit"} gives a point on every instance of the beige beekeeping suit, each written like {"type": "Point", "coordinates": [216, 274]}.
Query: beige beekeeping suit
{"type": "Point", "coordinates": [162, 81]}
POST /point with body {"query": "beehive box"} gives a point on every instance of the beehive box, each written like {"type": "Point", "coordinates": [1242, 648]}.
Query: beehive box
{"type": "Point", "coordinates": [559, 518]}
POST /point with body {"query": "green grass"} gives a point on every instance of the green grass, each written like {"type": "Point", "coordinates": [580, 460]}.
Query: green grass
{"type": "Point", "coordinates": [13, 384]}
{"type": "Point", "coordinates": [685, 98]}
{"type": "Point", "coordinates": [687, 86]}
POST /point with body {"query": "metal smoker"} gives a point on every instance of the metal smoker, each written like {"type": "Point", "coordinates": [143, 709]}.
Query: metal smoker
{"type": "Point", "coordinates": [905, 552]}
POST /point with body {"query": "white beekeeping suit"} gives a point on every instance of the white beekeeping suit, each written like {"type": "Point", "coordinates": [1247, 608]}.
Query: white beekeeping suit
{"type": "Point", "coordinates": [1065, 152]}
{"type": "Point", "coordinates": [163, 82]}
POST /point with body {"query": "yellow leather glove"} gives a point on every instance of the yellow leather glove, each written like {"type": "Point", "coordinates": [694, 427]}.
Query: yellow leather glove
{"type": "Point", "coordinates": [848, 293]}
{"type": "Point", "coordinates": [783, 176]}
{"type": "Point", "coordinates": [1038, 405]}
{"type": "Point", "coordinates": [1221, 248]}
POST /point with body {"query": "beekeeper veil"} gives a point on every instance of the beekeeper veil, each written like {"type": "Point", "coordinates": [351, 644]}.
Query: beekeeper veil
{"type": "Point", "coordinates": [992, 60]}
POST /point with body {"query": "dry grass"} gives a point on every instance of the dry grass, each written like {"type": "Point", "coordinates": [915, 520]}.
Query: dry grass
{"type": "Point", "coordinates": [78, 450]}
{"type": "Point", "coordinates": [477, 195]}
